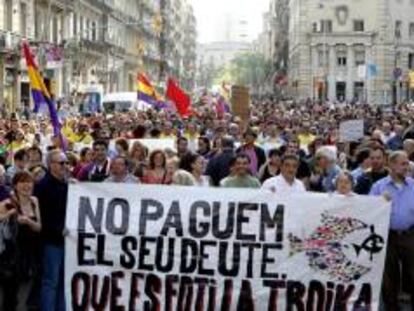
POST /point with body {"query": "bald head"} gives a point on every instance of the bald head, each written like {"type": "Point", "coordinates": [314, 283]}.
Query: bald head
{"type": "Point", "coordinates": [399, 165]}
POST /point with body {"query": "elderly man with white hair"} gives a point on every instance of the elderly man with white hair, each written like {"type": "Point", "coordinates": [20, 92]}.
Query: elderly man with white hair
{"type": "Point", "coordinates": [326, 170]}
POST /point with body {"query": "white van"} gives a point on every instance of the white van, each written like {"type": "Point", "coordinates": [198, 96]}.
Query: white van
{"type": "Point", "coordinates": [122, 102]}
{"type": "Point", "coordinates": [91, 98]}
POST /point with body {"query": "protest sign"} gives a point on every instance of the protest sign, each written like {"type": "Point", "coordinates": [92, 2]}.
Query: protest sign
{"type": "Point", "coordinates": [240, 102]}
{"type": "Point", "coordinates": [140, 247]}
{"type": "Point", "coordinates": [351, 130]}
{"type": "Point", "coordinates": [411, 79]}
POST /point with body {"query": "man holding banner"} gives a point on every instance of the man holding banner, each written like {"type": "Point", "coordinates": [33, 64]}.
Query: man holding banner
{"type": "Point", "coordinates": [240, 176]}
{"type": "Point", "coordinates": [400, 190]}
{"type": "Point", "coordinates": [286, 182]}
{"type": "Point", "coordinates": [52, 192]}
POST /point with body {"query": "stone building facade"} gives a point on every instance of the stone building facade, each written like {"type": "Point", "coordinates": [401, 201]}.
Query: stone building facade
{"type": "Point", "coordinates": [84, 42]}
{"type": "Point", "coordinates": [346, 50]}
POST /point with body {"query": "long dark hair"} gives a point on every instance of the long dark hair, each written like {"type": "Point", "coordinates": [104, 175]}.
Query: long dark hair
{"type": "Point", "coordinates": [187, 161]}
{"type": "Point", "coordinates": [152, 158]}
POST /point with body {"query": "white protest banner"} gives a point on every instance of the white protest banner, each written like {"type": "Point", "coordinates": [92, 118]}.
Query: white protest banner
{"type": "Point", "coordinates": [77, 147]}
{"type": "Point", "coordinates": [352, 130]}
{"type": "Point", "coordinates": [136, 247]}
{"type": "Point", "coordinates": [150, 143]}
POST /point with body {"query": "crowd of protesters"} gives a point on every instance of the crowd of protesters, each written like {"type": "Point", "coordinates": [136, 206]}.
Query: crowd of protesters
{"type": "Point", "coordinates": [284, 147]}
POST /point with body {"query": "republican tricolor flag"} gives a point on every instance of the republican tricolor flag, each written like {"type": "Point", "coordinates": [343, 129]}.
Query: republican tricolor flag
{"type": "Point", "coordinates": [40, 92]}
{"type": "Point", "coordinates": [146, 92]}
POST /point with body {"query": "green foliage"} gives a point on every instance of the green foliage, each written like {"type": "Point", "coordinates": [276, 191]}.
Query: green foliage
{"type": "Point", "coordinates": [245, 69]}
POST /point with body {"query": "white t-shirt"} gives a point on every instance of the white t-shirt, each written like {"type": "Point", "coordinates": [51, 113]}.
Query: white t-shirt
{"type": "Point", "coordinates": [281, 186]}
{"type": "Point", "coordinates": [203, 182]}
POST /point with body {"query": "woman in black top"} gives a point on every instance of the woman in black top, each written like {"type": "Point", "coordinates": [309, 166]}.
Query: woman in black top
{"type": "Point", "coordinates": [272, 167]}
{"type": "Point", "coordinates": [20, 254]}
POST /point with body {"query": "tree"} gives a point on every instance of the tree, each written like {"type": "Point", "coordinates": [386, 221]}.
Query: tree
{"type": "Point", "coordinates": [249, 69]}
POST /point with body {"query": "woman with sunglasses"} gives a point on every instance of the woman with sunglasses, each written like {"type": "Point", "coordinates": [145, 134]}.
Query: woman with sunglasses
{"type": "Point", "coordinates": [21, 214]}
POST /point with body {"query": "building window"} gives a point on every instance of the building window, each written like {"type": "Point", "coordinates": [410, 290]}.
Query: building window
{"type": "Point", "coordinates": [411, 61]}
{"type": "Point", "coordinates": [81, 27]}
{"type": "Point", "coordinates": [359, 58]}
{"type": "Point", "coordinates": [314, 27]}
{"type": "Point", "coordinates": [23, 16]}
{"type": "Point", "coordinates": [411, 31]}
{"type": "Point", "coordinates": [94, 31]}
{"type": "Point", "coordinates": [398, 26]}
{"type": "Point", "coordinates": [321, 60]}
{"type": "Point", "coordinates": [55, 30]}
{"type": "Point", "coordinates": [75, 24]}
{"type": "Point", "coordinates": [358, 25]}
{"type": "Point", "coordinates": [8, 15]}
{"type": "Point", "coordinates": [341, 59]}
{"type": "Point", "coordinates": [326, 26]}
{"type": "Point", "coordinates": [88, 29]}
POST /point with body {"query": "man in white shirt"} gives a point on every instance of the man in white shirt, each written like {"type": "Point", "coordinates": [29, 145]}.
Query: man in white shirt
{"type": "Point", "coordinates": [120, 172]}
{"type": "Point", "coordinates": [286, 183]}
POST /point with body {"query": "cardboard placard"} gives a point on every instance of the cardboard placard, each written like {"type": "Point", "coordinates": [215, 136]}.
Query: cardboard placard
{"type": "Point", "coordinates": [352, 130]}
{"type": "Point", "coordinates": [240, 101]}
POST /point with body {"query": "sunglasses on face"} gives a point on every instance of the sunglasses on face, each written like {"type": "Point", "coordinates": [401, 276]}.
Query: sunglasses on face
{"type": "Point", "coordinates": [62, 163]}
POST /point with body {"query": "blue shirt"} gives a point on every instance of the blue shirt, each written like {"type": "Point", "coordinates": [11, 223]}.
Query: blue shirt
{"type": "Point", "coordinates": [356, 173]}
{"type": "Point", "coordinates": [328, 180]}
{"type": "Point", "coordinates": [402, 198]}
{"type": "Point", "coordinates": [395, 143]}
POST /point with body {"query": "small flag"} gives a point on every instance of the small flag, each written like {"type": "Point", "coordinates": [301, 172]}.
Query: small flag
{"type": "Point", "coordinates": [225, 91]}
{"type": "Point", "coordinates": [147, 93]}
{"type": "Point", "coordinates": [222, 106]}
{"type": "Point", "coordinates": [181, 100]}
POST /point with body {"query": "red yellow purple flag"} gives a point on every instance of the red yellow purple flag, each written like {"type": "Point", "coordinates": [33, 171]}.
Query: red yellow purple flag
{"type": "Point", "coordinates": [40, 92]}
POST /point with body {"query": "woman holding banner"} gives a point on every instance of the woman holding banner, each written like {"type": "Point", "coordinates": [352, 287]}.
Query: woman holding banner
{"type": "Point", "coordinates": [138, 156]}
{"type": "Point", "coordinates": [344, 183]}
{"type": "Point", "coordinates": [194, 164]}
{"type": "Point", "coordinates": [157, 173]}
{"type": "Point", "coordinates": [20, 255]}
{"type": "Point", "coordinates": [272, 166]}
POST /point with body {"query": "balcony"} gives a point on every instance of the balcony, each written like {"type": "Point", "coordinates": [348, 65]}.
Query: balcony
{"type": "Point", "coordinates": [153, 56]}
{"type": "Point", "coordinates": [58, 5]}
{"type": "Point", "coordinates": [9, 43]}
{"type": "Point", "coordinates": [95, 46]}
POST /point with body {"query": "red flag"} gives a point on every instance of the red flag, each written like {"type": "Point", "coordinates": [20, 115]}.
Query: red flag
{"type": "Point", "coordinates": [181, 100]}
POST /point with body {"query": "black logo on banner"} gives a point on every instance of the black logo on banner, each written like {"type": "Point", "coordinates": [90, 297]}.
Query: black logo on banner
{"type": "Point", "coordinates": [372, 244]}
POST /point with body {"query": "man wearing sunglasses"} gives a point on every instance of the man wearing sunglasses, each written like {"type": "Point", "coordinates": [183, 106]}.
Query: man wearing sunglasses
{"type": "Point", "coordinates": [52, 193]}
